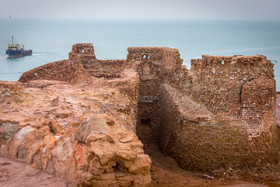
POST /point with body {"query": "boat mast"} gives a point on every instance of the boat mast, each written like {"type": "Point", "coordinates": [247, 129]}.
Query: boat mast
{"type": "Point", "coordinates": [12, 40]}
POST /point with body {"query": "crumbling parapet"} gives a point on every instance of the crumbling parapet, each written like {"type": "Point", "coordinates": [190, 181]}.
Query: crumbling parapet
{"type": "Point", "coordinates": [144, 53]}
{"type": "Point", "coordinates": [162, 56]}
{"type": "Point", "coordinates": [83, 49]}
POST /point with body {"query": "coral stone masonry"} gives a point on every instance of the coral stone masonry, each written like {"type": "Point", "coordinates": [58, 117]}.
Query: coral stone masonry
{"type": "Point", "coordinates": [81, 118]}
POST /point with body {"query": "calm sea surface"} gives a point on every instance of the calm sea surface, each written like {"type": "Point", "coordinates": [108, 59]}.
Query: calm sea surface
{"type": "Point", "coordinates": [51, 40]}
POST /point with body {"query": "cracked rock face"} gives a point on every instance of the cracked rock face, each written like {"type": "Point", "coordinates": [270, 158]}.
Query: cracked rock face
{"type": "Point", "coordinates": [104, 155]}
{"type": "Point", "coordinates": [92, 125]}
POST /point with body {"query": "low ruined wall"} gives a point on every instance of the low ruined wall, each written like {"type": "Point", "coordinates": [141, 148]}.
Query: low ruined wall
{"type": "Point", "coordinates": [200, 143]}
{"type": "Point", "coordinates": [60, 71]}
{"type": "Point", "coordinates": [81, 64]}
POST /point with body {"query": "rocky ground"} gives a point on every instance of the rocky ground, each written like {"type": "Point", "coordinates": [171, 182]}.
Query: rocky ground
{"type": "Point", "coordinates": [82, 132]}
{"type": "Point", "coordinates": [15, 173]}
{"type": "Point", "coordinates": [164, 171]}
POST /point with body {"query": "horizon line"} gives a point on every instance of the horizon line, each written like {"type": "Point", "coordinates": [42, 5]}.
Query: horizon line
{"type": "Point", "coordinates": [142, 19]}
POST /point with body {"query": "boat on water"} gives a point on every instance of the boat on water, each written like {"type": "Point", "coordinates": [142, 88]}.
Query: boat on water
{"type": "Point", "coordinates": [15, 50]}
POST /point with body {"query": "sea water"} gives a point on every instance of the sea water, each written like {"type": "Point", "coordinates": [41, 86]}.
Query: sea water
{"type": "Point", "coordinates": [51, 40]}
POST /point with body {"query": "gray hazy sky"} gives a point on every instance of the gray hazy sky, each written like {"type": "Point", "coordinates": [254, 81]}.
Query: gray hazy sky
{"type": "Point", "coordinates": [142, 9]}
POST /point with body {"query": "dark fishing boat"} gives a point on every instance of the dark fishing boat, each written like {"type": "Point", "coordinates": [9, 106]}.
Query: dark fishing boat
{"type": "Point", "coordinates": [15, 50]}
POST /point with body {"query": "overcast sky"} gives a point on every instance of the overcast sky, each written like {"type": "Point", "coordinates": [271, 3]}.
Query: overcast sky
{"type": "Point", "coordinates": [142, 9]}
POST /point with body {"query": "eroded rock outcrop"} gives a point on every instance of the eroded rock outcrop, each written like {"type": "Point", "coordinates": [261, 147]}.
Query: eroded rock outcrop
{"type": "Point", "coordinates": [103, 155]}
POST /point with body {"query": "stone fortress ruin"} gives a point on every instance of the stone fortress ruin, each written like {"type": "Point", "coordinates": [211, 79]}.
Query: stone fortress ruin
{"type": "Point", "coordinates": [218, 114]}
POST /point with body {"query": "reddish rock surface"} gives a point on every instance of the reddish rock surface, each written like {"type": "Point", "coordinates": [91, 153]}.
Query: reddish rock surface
{"type": "Point", "coordinates": [15, 174]}
{"type": "Point", "coordinates": [82, 132]}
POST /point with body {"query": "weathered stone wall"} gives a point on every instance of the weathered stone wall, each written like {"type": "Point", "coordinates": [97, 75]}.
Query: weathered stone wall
{"type": "Point", "coordinates": [156, 65]}
{"type": "Point", "coordinates": [167, 60]}
{"type": "Point", "coordinates": [65, 70]}
{"type": "Point", "coordinates": [257, 100]}
{"type": "Point", "coordinates": [226, 86]}
{"type": "Point", "coordinates": [82, 63]}
{"type": "Point", "coordinates": [83, 49]}
{"type": "Point", "coordinates": [201, 141]}
{"type": "Point", "coordinates": [154, 54]}
{"type": "Point", "coordinates": [218, 80]}
{"type": "Point", "coordinates": [104, 68]}
{"type": "Point", "coordinates": [148, 106]}
{"type": "Point", "coordinates": [95, 67]}
{"type": "Point", "coordinates": [60, 70]}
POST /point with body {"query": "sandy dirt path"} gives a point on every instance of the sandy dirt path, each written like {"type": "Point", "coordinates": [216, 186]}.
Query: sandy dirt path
{"type": "Point", "coordinates": [15, 173]}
